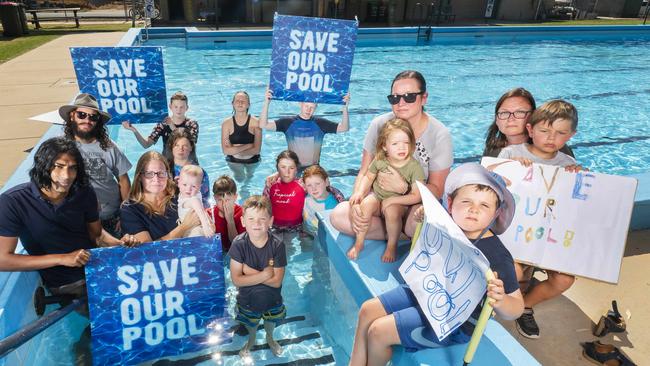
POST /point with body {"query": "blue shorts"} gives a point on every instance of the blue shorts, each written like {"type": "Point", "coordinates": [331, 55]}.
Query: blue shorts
{"type": "Point", "coordinates": [251, 318]}
{"type": "Point", "coordinates": [413, 328]}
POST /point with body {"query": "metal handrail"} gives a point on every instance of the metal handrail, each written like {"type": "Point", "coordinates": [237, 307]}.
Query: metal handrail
{"type": "Point", "coordinates": [34, 328]}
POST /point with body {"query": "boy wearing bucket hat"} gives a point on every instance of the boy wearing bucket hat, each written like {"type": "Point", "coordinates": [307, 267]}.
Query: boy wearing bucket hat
{"type": "Point", "coordinates": [105, 163]}
{"type": "Point", "coordinates": [482, 207]}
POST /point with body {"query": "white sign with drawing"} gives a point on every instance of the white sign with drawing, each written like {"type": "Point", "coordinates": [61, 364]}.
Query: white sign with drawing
{"type": "Point", "coordinates": [574, 223]}
{"type": "Point", "coordinates": [444, 270]}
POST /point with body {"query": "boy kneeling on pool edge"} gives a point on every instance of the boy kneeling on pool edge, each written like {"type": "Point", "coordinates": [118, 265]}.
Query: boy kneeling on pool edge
{"type": "Point", "coordinates": [482, 207]}
{"type": "Point", "coordinates": [257, 262]}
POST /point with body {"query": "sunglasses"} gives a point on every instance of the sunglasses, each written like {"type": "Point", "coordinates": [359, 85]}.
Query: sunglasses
{"type": "Point", "coordinates": [408, 97]}
{"type": "Point", "coordinates": [150, 174]}
{"type": "Point", "coordinates": [91, 117]}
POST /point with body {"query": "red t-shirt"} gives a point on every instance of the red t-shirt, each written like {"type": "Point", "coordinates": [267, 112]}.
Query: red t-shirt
{"type": "Point", "coordinates": [287, 201]}
{"type": "Point", "coordinates": [221, 226]}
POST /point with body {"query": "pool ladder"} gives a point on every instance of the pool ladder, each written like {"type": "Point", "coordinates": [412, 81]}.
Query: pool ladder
{"type": "Point", "coordinates": [424, 32]}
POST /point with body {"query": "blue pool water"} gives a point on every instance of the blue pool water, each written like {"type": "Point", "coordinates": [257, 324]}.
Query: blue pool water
{"type": "Point", "coordinates": [607, 81]}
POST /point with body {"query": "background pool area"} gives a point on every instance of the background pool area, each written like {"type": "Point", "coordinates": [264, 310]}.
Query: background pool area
{"type": "Point", "coordinates": [606, 80]}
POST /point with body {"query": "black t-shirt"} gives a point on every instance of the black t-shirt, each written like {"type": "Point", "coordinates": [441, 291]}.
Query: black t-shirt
{"type": "Point", "coordinates": [260, 297]}
{"type": "Point", "coordinates": [44, 228]}
{"type": "Point", "coordinates": [502, 263]}
{"type": "Point", "coordinates": [135, 219]}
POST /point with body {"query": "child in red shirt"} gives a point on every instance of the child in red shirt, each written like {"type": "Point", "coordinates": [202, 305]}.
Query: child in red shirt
{"type": "Point", "coordinates": [287, 195]}
{"type": "Point", "coordinates": [226, 214]}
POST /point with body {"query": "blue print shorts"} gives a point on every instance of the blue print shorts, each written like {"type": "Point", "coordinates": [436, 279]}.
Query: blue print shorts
{"type": "Point", "coordinates": [413, 328]}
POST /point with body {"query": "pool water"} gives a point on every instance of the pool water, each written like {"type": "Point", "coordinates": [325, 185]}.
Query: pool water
{"type": "Point", "coordinates": [608, 82]}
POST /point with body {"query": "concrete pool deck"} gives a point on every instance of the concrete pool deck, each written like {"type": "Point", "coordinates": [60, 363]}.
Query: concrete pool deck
{"type": "Point", "coordinates": [43, 79]}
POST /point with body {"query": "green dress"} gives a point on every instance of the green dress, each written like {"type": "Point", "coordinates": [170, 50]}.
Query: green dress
{"type": "Point", "coordinates": [410, 172]}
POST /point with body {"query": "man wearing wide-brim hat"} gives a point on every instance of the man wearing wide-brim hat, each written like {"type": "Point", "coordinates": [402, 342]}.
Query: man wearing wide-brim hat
{"type": "Point", "coordinates": [105, 163]}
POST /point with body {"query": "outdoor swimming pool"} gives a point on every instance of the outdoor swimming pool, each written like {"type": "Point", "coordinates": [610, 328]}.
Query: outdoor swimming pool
{"type": "Point", "coordinates": [606, 80]}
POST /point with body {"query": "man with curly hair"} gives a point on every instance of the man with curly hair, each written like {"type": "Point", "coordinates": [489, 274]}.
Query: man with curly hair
{"type": "Point", "coordinates": [105, 163]}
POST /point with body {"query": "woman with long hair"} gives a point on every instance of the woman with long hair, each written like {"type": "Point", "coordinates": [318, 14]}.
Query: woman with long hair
{"type": "Point", "coordinates": [511, 114]}
{"type": "Point", "coordinates": [179, 154]}
{"type": "Point", "coordinates": [151, 212]}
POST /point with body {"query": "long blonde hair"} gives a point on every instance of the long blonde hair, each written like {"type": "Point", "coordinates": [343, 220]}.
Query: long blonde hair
{"type": "Point", "coordinates": [136, 195]}
{"type": "Point", "coordinates": [390, 126]}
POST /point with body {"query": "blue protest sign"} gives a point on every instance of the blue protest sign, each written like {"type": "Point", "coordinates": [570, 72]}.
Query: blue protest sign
{"type": "Point", "coordinates": [159, 299]}
{"type": "Point", "coordinates": [312, 58]}
{"type": "Point", "coordinates": [444, 270]}
{"type": "Point", "coordinates": [128, 82]}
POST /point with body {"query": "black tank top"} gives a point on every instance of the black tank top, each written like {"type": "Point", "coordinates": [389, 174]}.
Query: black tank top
{"type": "Point", "coordinates": [240, 134]}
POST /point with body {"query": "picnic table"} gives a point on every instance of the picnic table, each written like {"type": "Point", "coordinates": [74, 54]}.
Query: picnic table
{"type": "Point", "coordinates": [36, 20]}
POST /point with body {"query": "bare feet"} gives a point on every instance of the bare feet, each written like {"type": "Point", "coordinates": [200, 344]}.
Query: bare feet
{"type": "Point", "coordinates": [353, 253]}
{"type": "Point", "coordinates": [274, 346]}
{"type": "Point", "coordinates": [390, 254]}
{"type": "Point", "coordinates": [245, 354]}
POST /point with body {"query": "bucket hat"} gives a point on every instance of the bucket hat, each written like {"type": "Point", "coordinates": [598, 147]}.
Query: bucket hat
{"type": "Point", "coordinates": [473, 173]}
{"type": "Point", "coordinates": [86, 101]}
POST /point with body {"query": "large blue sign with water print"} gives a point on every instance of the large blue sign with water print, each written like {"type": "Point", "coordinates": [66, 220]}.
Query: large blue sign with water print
{"type": "Point", "coordinates": [312, 58]}
{"type": "Point", "coordinates": [128, 82]}
{"type": "Point", "coordinates": [159, 299]}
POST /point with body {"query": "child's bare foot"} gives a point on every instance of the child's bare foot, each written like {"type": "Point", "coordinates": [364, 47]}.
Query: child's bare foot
{"type": "Point", "coordinates": [274, 346]}
{"type": "Point", "coordinates": [390, 254]}
{"type": "Point", "coordinates": [353, 253]}
{"type": "Point", "coordinates": [245, 354]}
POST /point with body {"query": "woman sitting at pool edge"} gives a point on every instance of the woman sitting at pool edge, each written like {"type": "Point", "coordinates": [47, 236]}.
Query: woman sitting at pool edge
{"type": "Point", "coordinates": [511, 113]}
{"type": "Point", "coordinates": [433, 150]}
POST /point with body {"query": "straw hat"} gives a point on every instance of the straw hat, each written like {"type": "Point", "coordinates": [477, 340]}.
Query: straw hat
{"type": "Point", "coordinates": [473, 173]}
{"type": "Point", "coordinates": [86, 101]}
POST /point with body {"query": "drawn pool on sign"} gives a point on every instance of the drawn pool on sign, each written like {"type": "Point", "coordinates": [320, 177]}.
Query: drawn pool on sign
{"type": "Point", "coordinates": [444, 270]}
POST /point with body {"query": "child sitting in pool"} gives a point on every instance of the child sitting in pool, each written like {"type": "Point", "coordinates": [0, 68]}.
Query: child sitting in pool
{"type": "Point", "coordinates": [287, 195]}
{"type": "Point", "coordinates": [189, 198]}
{"type": "Point", "coordinates": [550, 127]}
{"type": "Point", "coordinates": [395, 146]}
{"type": "Point", "coordinates": [321, 196]}
{"type": "Point", "coordinates": [481, 205]}
{"type": "Point", "coordinates": [257, 261]}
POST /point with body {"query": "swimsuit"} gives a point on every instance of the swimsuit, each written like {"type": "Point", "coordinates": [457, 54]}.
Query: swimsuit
{"type": "Point", "coordinates": [241, 136]}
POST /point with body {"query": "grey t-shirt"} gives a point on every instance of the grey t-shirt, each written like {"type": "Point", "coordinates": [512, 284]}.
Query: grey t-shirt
{"type": "Point", "coordinates": [521, 151]}
{"type": "Point", "coordinates": [104, 167]}
{"type": "Point", "coordinates": [433, 150]}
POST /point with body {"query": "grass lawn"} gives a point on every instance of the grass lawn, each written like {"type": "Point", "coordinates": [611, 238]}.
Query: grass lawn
{"type": "Point", "coordinates": [12, 47]}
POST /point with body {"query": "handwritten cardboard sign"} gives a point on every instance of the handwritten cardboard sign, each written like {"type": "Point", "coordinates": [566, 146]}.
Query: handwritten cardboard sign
{"type": "Point", "coordinates": [444, 270]}
{"type": "Point", "coordinates": [311, 59]}
{"type": "Point", "coordinates": [159, 299]}
{"type": "Point", "coordinates": [128, 82]}
{"type": "Point", "coordinates": [574, 223]}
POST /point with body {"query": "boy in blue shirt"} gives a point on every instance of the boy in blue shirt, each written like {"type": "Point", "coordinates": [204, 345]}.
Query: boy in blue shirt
{"type": "Point", "coordinates": [257, 261]}
{"type": "Point", "coordinates": [482, 207]}
{"type": "Point", "coordinates": [304, 132]}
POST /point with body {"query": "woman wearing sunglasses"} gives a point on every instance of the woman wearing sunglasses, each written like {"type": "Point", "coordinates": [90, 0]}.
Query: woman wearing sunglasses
{"type": "Point", "coordinates": [433, 150]}
{"type": "Point", "coordinates": [150, 213]}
